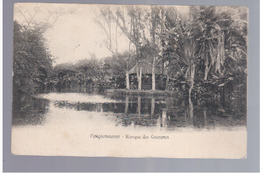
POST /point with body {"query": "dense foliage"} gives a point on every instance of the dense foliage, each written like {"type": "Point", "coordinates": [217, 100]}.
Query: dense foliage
{"type": "Point", "coordinates": [32, 62]}
{"type": "Point", "coordinates": [90, 72]}
{"type": "Point", "coordinates": [209, 51]}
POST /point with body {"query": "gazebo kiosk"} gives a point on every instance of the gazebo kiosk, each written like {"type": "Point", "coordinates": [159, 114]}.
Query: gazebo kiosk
{"type": "Point", "coordinates": [146, 69]}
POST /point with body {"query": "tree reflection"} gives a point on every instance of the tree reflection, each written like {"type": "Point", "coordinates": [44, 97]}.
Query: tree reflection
{"type": "Point", "coordinates": [139, 105]}
{"type": "Point", "coordinates": [191, 111]}
{"type": "Point", "coordinates": [205, 118]}
{"type": "Point", "coordinates": [168, 112]}
{"type": "Point", "coordinates": [126, 104]}
{"type": "Point", "coordinates": [31, 111]}
{"type": "Point", "coordinates": [152, 106]}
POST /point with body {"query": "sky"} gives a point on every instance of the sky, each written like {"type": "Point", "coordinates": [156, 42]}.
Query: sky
{"type": "Point", "coordinates": [74, 35]}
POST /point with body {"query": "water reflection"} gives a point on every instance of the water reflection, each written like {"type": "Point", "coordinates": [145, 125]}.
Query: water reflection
{"type": "Point", "coordinates": [31, 111]}
{"type": "Point", "coordinates": [163, 112]}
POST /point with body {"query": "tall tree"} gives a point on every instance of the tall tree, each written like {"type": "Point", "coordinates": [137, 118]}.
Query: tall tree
{"type": "Point", "coordinates": [32, 63]}
{"type": "Point", "coordinates": [218, 30]}
{"type": "Point", "coordinates": [131, 22]}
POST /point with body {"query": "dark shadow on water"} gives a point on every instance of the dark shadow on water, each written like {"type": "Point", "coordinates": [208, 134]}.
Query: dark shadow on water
{"type": "Point", "coordinates": [30, 111]}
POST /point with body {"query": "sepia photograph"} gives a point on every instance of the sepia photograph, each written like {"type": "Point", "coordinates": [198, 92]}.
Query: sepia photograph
{"type": "Point", "coordinates": [132, 81]}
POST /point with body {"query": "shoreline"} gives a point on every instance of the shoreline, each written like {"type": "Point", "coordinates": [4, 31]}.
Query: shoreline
{"type": "Point", "coordinates": [131, 91]}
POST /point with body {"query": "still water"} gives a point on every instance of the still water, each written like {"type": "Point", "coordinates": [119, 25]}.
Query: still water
{"type": "Point", "coordinates": [131, 110]}
{"type": "Point", "coordinates": [62, 123]}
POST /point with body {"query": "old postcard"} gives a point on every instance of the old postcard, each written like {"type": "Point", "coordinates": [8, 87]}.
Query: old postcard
{"type": "Point", "coordinates": [129, 81]}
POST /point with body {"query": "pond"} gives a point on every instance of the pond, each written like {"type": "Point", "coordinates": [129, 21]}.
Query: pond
{"type": "Point", "coordinates": [66, 123]}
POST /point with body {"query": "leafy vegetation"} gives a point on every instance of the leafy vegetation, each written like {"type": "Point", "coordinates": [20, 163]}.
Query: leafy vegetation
{"type": "Point", "coordinates": [32, 63]}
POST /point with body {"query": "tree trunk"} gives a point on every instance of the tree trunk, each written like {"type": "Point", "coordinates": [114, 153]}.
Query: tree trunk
{"type": "Point", "coordinates": [138, 74]}
{"type": "Point", "coordinates": [191, 109]}
{"type": "Point", "coordinates": [127, 80]}
{"type": "Point", "coordinates": [206, 72]}
{"type": "Point", "coordinates": [167, 81]}
{"type": "Point", "coordinates": [192, 74]}
{"type": "Point", "coordinates": [140, 80]}
{"type": "Point", "coordinates": [153, 75]}
{"type": "Point", "coordinates": [162, 66]}
{"type": "Point", "coordinates": [127, 70]}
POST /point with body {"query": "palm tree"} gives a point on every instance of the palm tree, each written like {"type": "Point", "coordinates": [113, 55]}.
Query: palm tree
{"type": "Point", "coordinates": [183, 51]}
{"type": "Point", "coordinates": [221, 33]}
{"type": "Point", "coordinates": [211, 37]}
